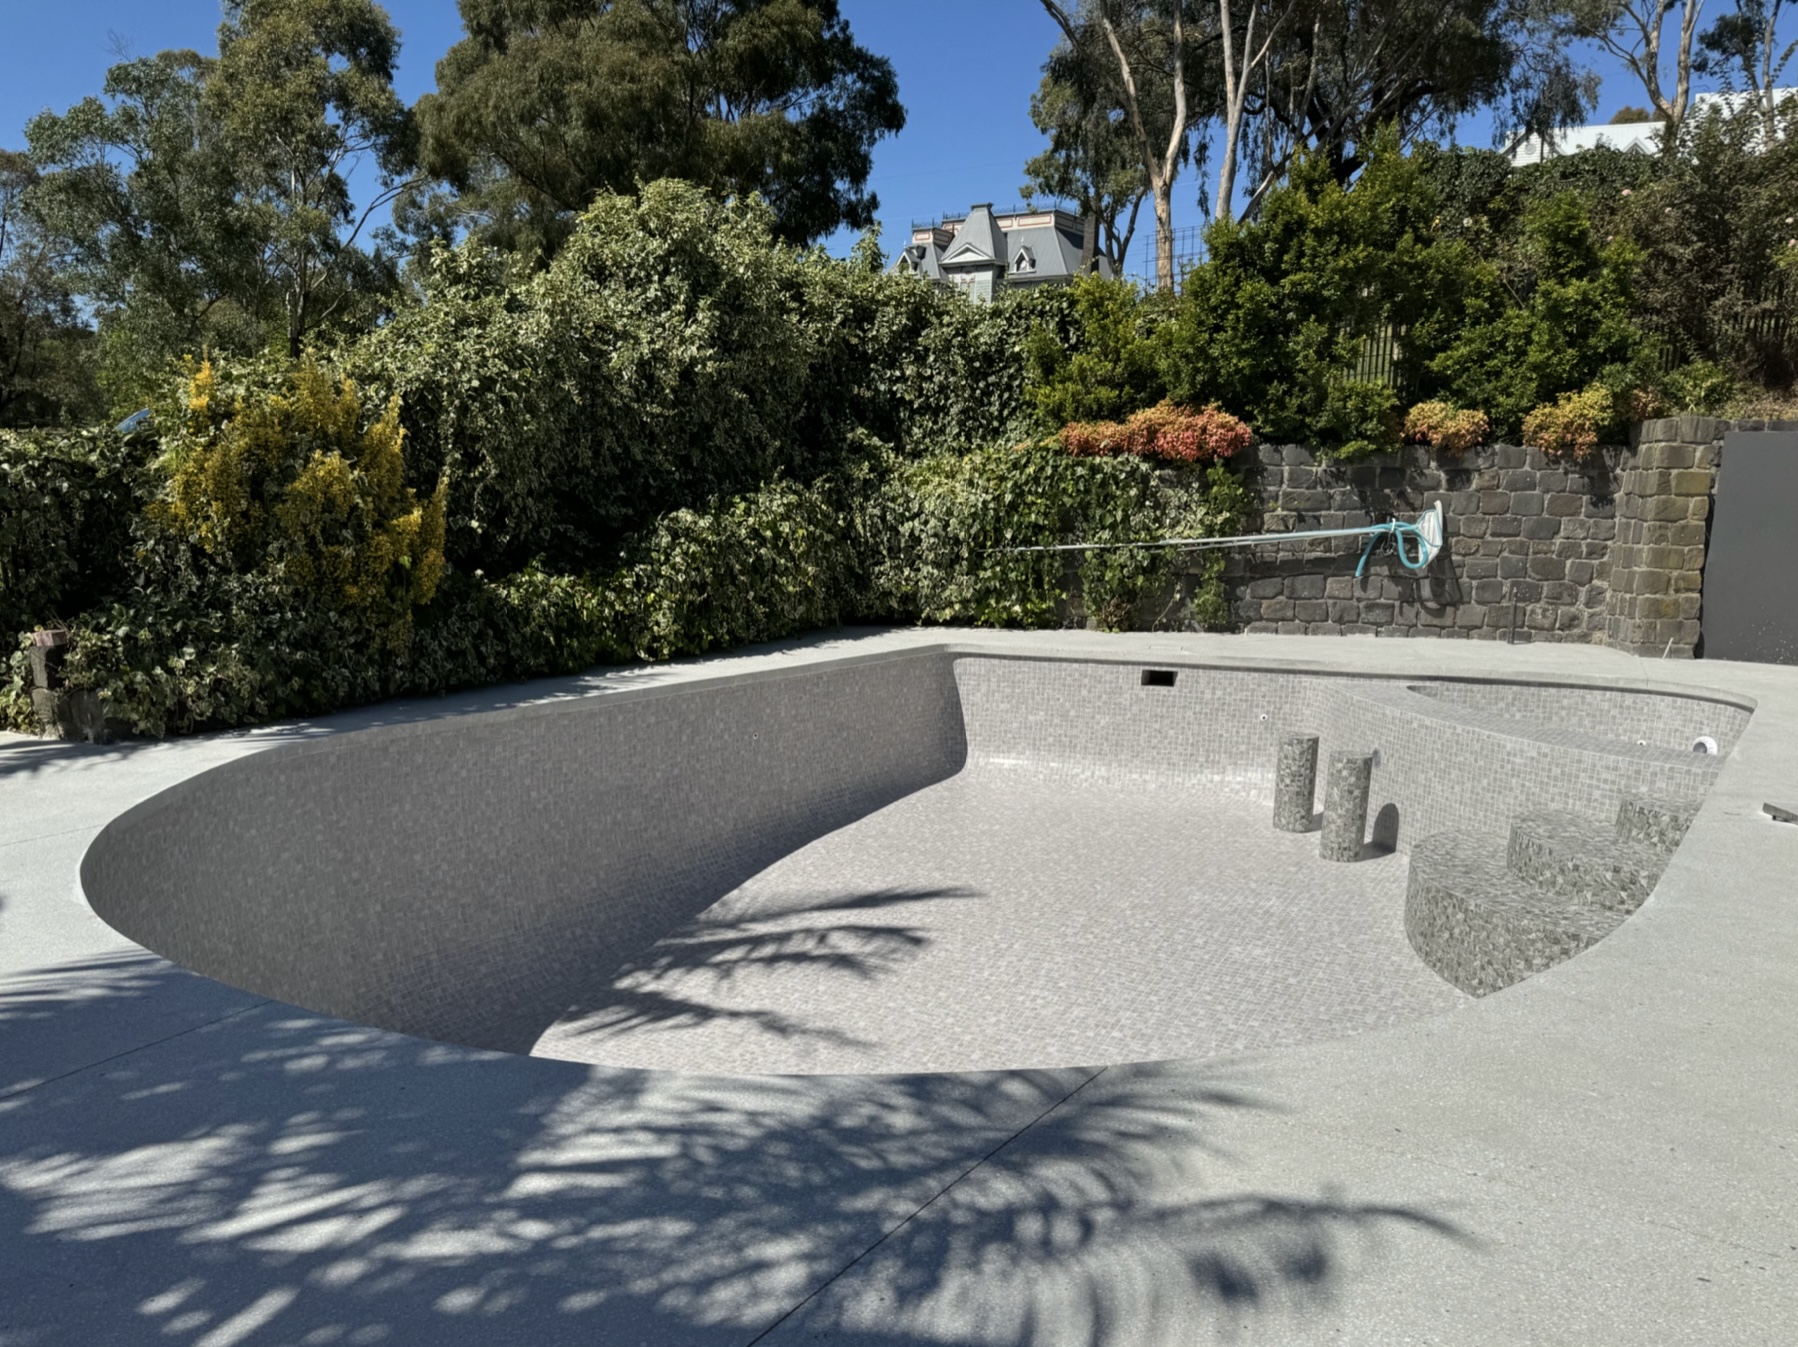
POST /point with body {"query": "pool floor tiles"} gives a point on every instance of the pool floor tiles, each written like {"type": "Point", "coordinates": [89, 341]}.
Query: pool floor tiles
{"type": "Point", "coordinates": [993, 921]}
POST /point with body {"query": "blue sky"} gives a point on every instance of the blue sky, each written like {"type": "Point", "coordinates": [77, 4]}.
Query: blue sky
{"type": "Point", "coordinates": [966, 71]}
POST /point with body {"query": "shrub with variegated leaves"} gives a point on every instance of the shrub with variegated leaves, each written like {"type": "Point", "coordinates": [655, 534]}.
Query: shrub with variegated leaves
{"type": "Point", "coordinates": [1572, 425]}
{"type": "Point", "coordinates": [1446, 428]}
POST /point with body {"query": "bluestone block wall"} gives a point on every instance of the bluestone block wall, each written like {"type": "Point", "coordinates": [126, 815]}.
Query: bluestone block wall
{"type": "Point", "coordinates": [1610, 551]}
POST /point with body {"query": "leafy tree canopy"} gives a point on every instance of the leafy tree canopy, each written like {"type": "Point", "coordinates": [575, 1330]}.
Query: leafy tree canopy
{"type": "Point", "coordinates": [547, 102]}
{"type": "Point", "coordinates": [304, 90]}
{"type": "Point", "coordinates": [44, 366]}
{"type": "Point", "coordinates": [203, 202]}
{"type": "Point", "coordinates": [137, 192]}
{"type": "Point", "coordinates": [1092, 158]}
{"type": "Point", "coordinates": [1342, 69]}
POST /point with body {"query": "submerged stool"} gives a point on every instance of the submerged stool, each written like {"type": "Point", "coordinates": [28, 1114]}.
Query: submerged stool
{"type": "Point", "coordinates": [1345, 806]}
{"type": "Point", "coordinates": [1295, 783]}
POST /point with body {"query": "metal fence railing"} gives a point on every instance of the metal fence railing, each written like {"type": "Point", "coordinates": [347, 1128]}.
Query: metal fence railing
{"type": "Point", "coordinates": [1377, 360]}
{"type": "Point", "coordinates": [1761, 328]}
{"type": "Point", "coordinates": [1189, 250]}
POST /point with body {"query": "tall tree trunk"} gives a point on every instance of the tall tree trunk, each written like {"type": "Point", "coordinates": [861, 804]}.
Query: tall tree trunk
{"type": "Point", "coordinates": [1164, 235]}
{"type": "Point", "coordinates": [1769, 118]}
{"type": "Point", "coordinates": [1648, 18]}
{"type": "Point", "coordinates": [1682, 67]}
{"type": "Point", "coordinates": [1160, 166]}
{"type": "Point", "coordinates": [1237, 78]}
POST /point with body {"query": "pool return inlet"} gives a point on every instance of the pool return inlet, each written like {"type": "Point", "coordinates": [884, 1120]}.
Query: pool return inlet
{"type": "Point", "coordinates": [1416, 544]}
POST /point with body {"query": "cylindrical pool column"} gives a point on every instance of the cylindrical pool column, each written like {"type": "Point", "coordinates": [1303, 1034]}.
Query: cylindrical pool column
{"type": "Point", "coordinates": [1295, 784]}
{"type": "Point", "coordinates": [1345, 806]}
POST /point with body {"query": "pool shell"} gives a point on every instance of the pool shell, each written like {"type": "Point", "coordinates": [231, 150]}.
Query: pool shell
{"type": "Point", "coordinates": [471, 880]}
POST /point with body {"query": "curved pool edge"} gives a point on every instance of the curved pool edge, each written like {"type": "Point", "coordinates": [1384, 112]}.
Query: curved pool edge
{"type": "Point", "coordinates": [1522, 1121]}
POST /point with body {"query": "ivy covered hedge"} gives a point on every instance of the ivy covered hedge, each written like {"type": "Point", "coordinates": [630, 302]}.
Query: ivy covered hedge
{"type": "Point", "coordinates": [912, 540]}
{"type": "Point", "coordinates": [946, 527]}
{"type": "Point", "coordinates": [66, 503]}
{"type": "Point", "coordinates": [674, 352]}
{"type": "Point", "coordinates": [682, 435]}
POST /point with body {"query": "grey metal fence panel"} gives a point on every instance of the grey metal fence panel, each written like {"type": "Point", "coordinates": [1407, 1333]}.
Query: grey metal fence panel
{"type": "Point", "coordinates": [1751, 570]}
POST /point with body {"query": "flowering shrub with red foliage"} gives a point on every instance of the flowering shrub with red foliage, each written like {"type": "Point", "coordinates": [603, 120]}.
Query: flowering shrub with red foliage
{"type": "Point", "coordinates": [1164, 431]}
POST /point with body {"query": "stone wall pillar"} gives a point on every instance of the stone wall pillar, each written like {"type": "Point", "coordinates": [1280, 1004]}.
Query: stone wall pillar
{"type": "Point", "coordinates": [1664, 492]}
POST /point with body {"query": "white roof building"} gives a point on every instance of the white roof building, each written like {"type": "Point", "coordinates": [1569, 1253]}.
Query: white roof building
{"type": "Point", "coordinates": [1643, 137]}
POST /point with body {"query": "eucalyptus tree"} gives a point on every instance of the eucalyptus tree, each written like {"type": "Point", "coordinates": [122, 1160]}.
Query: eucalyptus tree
{"type": "Point", "coordinates": [139, 198]}
{"type": "Point", "coordinates": [1092, 157]}
{"type": "Point", "coordinates": [1340, 70]}
{"type": "Point", "coordinates": [1746, 39]}
{"type": "Point", "coordinates": [204, 201]}
{"type": "Point", "coordinates": [546, 103]}
{"type": "Point", "coordinates": [1156, 47]}
{"type": "Point", "coordinates": [1652, 38]}
{"type": "Point", "coordinates": [44, 375]}
{"type": "Point", "coordinates": [301, 95]}
{"type": "Point", "coordinates": [1247, 32]}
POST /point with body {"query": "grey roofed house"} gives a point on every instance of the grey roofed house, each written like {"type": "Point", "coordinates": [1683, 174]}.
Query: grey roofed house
{"type": "Point", "coordinates": [982, 252]}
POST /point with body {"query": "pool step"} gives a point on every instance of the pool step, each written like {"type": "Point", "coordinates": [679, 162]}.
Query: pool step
{"type": "Point", "coordinates": [1584, 861]}
{"type": "Point", "coordinates": [1656, 823]}
{"type": "Point", "coordinates": [1481, 927]}
{"type": "Point", "coordinates": [1485, 913]}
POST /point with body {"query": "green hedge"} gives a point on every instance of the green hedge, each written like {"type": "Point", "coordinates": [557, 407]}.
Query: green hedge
{"type": "Point", "coordinates": [902, 540]}
{"type": "Point", "coordinates": [67, 499]}
{"type": "Point", "coordinates": [66, 503]}
{"type": "Point", "coordinates": [674, 351]}
{"type": "Point", "coordinates": [945, 526]}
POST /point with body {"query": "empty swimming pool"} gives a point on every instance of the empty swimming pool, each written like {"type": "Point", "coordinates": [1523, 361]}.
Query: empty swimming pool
{"type": "Point", "coordinates": [939, 860]}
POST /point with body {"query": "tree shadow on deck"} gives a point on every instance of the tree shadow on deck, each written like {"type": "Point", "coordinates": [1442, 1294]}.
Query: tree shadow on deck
{"type": "Point", "coordinates": [274, 1176]}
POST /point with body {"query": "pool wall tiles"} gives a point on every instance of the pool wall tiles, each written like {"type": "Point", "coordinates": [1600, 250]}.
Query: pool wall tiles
{"type": "Point", "coordinates": [1606, 713]}
{"type": "Point", "coordinates": [465, 879]}
{"type": "Point", "coordinates": [1443, 763]}
{"type": "Point", "coordinates": [1098, 723]}
{"type": "Point", "coordinates": [457, 880]}
{"type": "Point", "coordinates": [1445, 766]}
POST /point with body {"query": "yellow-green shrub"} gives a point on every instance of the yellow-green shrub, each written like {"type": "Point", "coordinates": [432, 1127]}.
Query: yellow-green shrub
{"type": "Point", "coordinates": [1571, 426]}
{"type": "Point", "coordinates": [280, 556]}
{"type": "Point", "coordinates": [301, 484]}
{"type": "Point", "coordinates": [1446, 428]}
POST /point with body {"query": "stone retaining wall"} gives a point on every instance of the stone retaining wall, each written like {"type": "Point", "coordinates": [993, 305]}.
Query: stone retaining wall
{"type": "Point", "coordinates": [1607, 552]}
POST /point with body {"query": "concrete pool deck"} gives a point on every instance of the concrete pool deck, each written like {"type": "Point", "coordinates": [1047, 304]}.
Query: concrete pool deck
{"type": "Point", "coordinates": [1605, 1153]}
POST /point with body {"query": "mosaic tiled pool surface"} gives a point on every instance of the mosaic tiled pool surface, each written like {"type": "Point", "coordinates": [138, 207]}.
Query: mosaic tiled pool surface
{"type": "Point", "coordinates": [931, 862]}
{"type": "Point", "coordinates": [1003, 920]}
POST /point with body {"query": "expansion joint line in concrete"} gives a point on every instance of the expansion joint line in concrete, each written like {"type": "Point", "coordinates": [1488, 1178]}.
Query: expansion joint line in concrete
{"type": "Point", "coordinates": [141, 1047]}
{"type": "Point", "coordinates": [48, 837]}
{"type": "Point", "coordinates": [924, 1206]}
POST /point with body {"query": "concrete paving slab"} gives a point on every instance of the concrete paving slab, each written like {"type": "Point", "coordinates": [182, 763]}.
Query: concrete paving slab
{"type": "Point", "coordinates": [1264, 1241]}
{"type": "Point", "coordinates": [350, 1185]}
{"type": "Point", "coordinates": [1596, 1156]}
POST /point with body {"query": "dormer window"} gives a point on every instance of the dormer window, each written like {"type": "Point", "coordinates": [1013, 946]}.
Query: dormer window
{"type": "Point", "coordinates": [1024, 262]}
